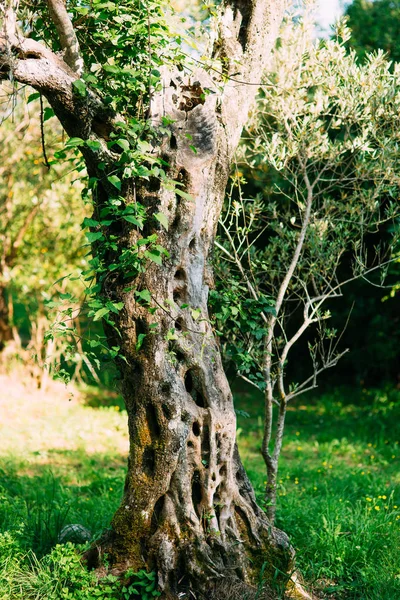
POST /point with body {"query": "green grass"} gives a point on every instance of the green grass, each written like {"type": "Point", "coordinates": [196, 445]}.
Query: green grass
{"type": "Point", "coordinates": [62, 460]}
{"type": "Point", "coordinates": [339, 488]}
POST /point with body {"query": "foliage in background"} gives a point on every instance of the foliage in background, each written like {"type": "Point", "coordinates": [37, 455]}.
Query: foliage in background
{"type": "Point", "coordinates": [375, 25]}
{"type": "Point", "coordinates": [41, 241]}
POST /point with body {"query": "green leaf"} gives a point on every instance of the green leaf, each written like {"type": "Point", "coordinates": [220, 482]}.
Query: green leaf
{"type": "Point", "coordinates": [116, 306]}
{"type": "Point", "coordinates": [94, 343]}
{"type": "Point", "coordinates": [74, 142]}
{"type": "Point", "coordinates": [79, 87]}
{"type": "Point", "coordinates": [144, 295]}
{"type": "Point", "coordinates": [48, 113]}
{"type": "Point", "coordinates": [89, 222]}
{"type": "Point", "coordinates": [33, 97]}
{"type": "Point", "coordinates": [115, 181]}
{"type": "Point", "coordinates": [196, 312]}
{"type": "Point", "coordinates": [184, 195]}
{"type": "Point", "coordinates": [101, 313]}
{"type": "Point", "coordinates": [124, 144]}
{"type": "Point", "coordinates": [154, 256]}
{"type": "Point", "coordinates": [139, 343]}
{"type": "Point", "coordinates": [93, 144]}
{"type": "Point", "coordinates": [93, 236]}
{"type": "Point", "coordinates": [161, 218]}
{"type": "Point", "coordinates": [133, 220]}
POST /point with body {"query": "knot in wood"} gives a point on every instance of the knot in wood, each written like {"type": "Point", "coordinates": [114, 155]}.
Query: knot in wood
{"type": "Point", "coordinates": [189, 96]}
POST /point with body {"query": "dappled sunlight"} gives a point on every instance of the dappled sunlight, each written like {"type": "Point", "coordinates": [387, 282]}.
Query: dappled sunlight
{"type": "Point", "coordinates": [39, 423]}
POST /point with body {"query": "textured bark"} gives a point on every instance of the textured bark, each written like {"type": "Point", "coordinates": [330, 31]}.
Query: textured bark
{"type": "Point", "coordinates": [188, 510]}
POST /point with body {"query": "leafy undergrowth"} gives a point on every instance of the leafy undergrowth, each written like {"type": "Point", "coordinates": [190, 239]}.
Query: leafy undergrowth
{"type": "Point", "coordinates": [62, 460]}
{"type": "Point", "coordinates": [339, 488]}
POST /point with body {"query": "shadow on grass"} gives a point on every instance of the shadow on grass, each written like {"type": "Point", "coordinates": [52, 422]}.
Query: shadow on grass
{"type": "Point", "coordinates": [100, 397]}
{"type": "Point", "coordinates": [370, 416]}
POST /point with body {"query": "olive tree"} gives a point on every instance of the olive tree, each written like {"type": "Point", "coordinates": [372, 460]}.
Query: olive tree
{"type": "Point", "coordinates": [324, 142]}
{"type": "Point", "coordinates": [158, 132]}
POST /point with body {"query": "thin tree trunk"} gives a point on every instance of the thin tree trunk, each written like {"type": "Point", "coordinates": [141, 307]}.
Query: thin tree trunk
{"type": "Point", "coordinates": [6, 329]}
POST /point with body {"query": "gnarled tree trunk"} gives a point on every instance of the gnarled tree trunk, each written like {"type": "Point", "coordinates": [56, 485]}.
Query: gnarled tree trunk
{"type": "Point", "coordinates": [188, 509]}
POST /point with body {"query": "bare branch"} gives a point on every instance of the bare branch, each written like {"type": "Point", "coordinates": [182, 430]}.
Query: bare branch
{"type": "Point", "coordinates": [68, 40]}
{"type": "Point", "coordinates": [302, 389]}
{"type": "Point", "coordinates": [299, 246]}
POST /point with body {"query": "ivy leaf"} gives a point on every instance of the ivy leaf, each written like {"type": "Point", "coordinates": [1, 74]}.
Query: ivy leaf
{"type": "Point", "coordinates": [33, 97]}
{"type": "Point", "coordinates": [99, 314]}
{"type": "Point", "coordinates": [154, 256]}
{"type": "Point", "coordinates": [115, 181]}
{"type": "Point", "coordinates": [48, 113]}
{"type": "Point", "coordinates": [140, 340]}
{"type": "Point", "coordinates": [184, 195]}
{"type": "Point", "coordinates": [196, 312]}
{"type": "Point", "coordinates": [161, 218]}
{"type": "Point", "coordinates": [115, 307]}
{"type": "Point", "coordinates": [93, 144]}
{"type": "Point", "coordinates": [132, 219]}
{"type": "Point", "coordinates": [144, 295]}
{"type": "Point", "coordinates": [79, 87]}
{"type": "Point", "coordinates": [124, 144]}
{"type": "Point", "coordinates": [74, 142]}
{"type": "Point", "coordinates": [93, 236]}
{"type": "Point", "coordinates": [89, 222]}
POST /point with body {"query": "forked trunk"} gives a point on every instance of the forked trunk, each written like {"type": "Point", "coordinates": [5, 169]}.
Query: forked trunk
{"type": "Point", "coordinates": [188, 510]}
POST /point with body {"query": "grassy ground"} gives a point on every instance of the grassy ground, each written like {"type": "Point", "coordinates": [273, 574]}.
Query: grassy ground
{"type": "Point", "coordinates": [339, 489]}
{"type": "Point", "coordinates": [62, 460]}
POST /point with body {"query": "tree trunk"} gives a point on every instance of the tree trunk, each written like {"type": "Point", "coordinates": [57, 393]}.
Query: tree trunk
{"type": "Point", "coordinates": [188, 510]}
{"type": "Point", "coordinates": [6, 330]}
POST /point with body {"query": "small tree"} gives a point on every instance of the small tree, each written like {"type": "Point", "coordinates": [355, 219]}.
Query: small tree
{"type": "Point", "coordinates": [325, 140]}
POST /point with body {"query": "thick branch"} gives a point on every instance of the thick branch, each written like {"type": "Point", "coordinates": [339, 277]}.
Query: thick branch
{"type": "Point", "coordinates": [29, 62]}
{"type": "Point", "coordinates": [247, 31]}
{"type": "Point", "coordinates": [68, 40]}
